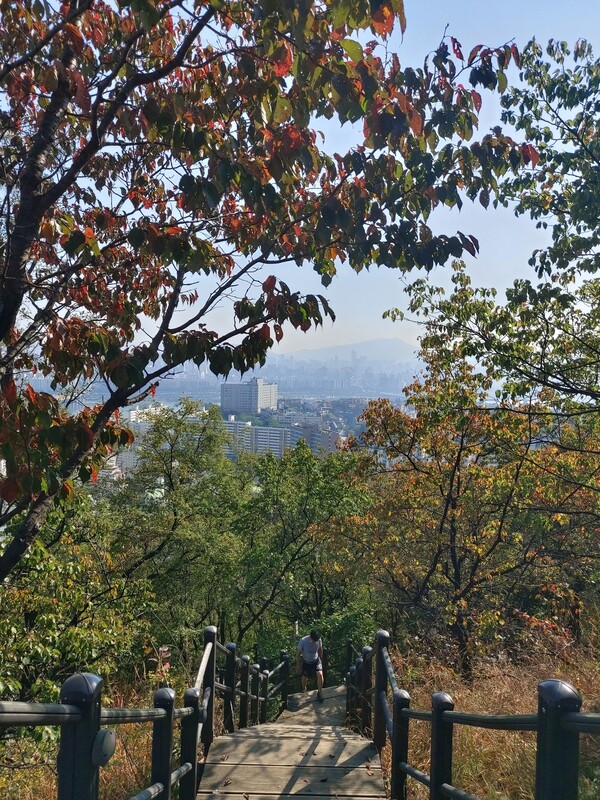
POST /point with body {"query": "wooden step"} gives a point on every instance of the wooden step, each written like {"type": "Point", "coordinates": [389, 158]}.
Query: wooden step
{"type": "Point", "coordinates": [281, 781]}
{"type": "Point", "coordinates": [294, 751]}
{"type": "Point", "coordinates": [307, 753]}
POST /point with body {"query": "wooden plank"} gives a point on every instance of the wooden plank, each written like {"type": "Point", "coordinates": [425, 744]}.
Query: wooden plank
{"type": "Point", "coordinates": [301, 731]}
{"type": "Point", "coordinates": [253, 796]}
{"type": "Point", "coordinates": [294, 752]}
{"type": "Point", "coordinates": [315, 714]}
{"type": "Point", "coordinates": [278, 780]}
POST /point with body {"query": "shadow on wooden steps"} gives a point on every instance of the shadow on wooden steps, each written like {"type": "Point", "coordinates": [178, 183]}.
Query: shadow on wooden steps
{"type": "Point", "coordinates": [306, 753]}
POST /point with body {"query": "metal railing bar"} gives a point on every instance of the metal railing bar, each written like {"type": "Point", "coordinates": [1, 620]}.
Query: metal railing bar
{"type": "Point", "coordinates": [370, 691]}
{"type": "Point", "coordinates": [206, 698]}
{"type": "Point", "coordinates": [147, 794]}
{"type": "Point", "coordinates": [415, 773]}
{"type": "Point", "coordinates": [276, 689]}
{"type": "Point", "coordinates": [185, 711]}
{"type": "Point", "coordinates": [387, 713]}
{"type": "Point", "coordinates": [24, 714]}
{"type": "Point", "coordinates": [496, 722]}
{"type": "Point", "coordinates": [389, 668]}
{"type": "Point", "coordinates": [389, 726]}
{"type": "Point", "coordinates": [587, 722]}
{"type": "Point", "coordinates": [413, 713]}
{"type": "Point", "coordinates": [221, 648]}
{"type": "Point", "coordinates": [354, 650]}
{"type": "Point", "coordinates": [277, 669]}
{"type": "Point", "coordinates": [178, 773]}
{"type": "Point", "coordinates": [456, 794]}
{"type": "Point", "coordinates": [222, 687]}
{"type": "Point", "coordinates": [125, 715]}
{"type": "Point", "coordinates": [203, 665]}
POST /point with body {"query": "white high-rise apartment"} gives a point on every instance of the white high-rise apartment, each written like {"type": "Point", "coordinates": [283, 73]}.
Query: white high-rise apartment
{"type": "Point", "coordinates": [251, 397]}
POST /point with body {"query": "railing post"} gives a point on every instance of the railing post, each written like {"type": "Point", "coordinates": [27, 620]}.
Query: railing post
{"type": "Point", "coordinates": [367, 683]}
{"type": "Point", "coordinates": [255, 692]}
{"type": "Point", "coordinates": [399, 745]}
{"type": "Point", "coordinates": [77, 775]}
{"type": "Point", "coordinates": [382, 639]}
{"type": "Point", "coordinates": [245, 690]}
{"type": "Point", "coordinates": [349, 654]}
{"type": "Point", "coordinates": [229, 698]}
{"type": "Point", "coordinates": [325, 665]}
{"type": "Point", "coordinates": [557, 760]}
{"type": "Point", "coordinates": [348, 691]}
{"type": "Point", "coordinates": [358, 676]}
{"type": "Point", "coordinates": [441, 744]}
{"type": "Point", "coordinates": [352, 695]}
{"type": "Point", "coordinates": [162, 741]}
{"type": "Point", "coordinates": [189, 745]}
{"type": "Point", "coordinates": [208, 727]}
{"type": "Point", "coordinates": [265, 696]}
{"type": "Point", "coordinates": [285, 677]}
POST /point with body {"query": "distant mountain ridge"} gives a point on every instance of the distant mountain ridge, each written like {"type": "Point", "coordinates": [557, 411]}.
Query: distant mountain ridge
{"type": "Point", "coordinates": [392, 351]}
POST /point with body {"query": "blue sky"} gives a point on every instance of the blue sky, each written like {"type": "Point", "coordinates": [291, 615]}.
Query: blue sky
{"type": "Point", "coordinates": [505, 242]}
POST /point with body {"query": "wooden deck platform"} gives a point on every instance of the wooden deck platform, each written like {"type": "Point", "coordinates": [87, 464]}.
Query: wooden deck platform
{"type": "Point", "coordinates": [307, 753]}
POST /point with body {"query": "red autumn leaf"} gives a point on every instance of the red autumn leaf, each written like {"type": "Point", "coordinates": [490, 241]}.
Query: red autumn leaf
{"type": "Point", "coordinates": [81, 94]}
{"type": "Point", "coordinates": [10, 490]}
{"type": "Point", "coordinates": [515, 54]}
{"type": "Point", "coordinates": [473, 54]}
{"type": "Point", "coordinates": [30, 393]}
{"type": "Point", "coordinates": [10, 392]}
{"type": "Point", "coordinates": [456, 48]}
{"type": "Point", "coordinates": [278, 332]}
{"type": "Point", "coordinates": [383, 19]}
{"type": "Point", "coordinates": [94, 471]}
{"type": "Point", "coordinates": [75, 37]}
{"type": "Point", "coordinates": [534, 155]}
{"type": "Point", "coordinates": [530, 154]}
{"type": "Point", "coordinates": [282, 59]}
{"type": "Point", "coordinates": [265, 333]}
{"type": "Point", "coordinates": [86, 436]}
{"type": "Point", "coordinates": [476, 100]}
{"type": "Point", "coordinates": [269, 284]}
{"type": "Point", "coordinates": [415, 121]}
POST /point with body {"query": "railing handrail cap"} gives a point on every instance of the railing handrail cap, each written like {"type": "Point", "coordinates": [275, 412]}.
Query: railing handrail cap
{"type": "Point", "coordinates": [555, 691]}
{"type": "Point", "coordinates": [80, 688]}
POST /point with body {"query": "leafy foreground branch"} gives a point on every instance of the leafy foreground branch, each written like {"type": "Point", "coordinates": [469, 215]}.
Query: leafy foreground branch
{"type": "Point", "coordinates": [157, 163]}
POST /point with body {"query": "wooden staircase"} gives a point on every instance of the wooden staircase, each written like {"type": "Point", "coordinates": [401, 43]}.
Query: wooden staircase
{"type": "Point", "coordinates": [306, 753]}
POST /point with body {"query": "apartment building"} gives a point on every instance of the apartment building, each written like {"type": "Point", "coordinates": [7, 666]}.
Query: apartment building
{"type": "Point", "coordinates": [250, 397]}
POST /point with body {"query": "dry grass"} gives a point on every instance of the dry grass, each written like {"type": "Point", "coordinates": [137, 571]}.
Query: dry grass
{"type": "Point", "coordinates": [499, 765]}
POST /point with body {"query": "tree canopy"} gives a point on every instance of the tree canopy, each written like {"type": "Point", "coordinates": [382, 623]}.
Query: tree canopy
{"type": "Point", "coordinates": [157, 162]}
{"type": "Point", "coordinates": [545, 334]}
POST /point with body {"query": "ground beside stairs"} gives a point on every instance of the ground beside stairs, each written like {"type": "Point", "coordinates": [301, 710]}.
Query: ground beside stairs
{"type": "Point", "coordinates": [306, 753]}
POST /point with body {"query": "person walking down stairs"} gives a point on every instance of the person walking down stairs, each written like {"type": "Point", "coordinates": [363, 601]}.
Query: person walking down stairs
{"type": "Point", "coordinates": [309, 661]}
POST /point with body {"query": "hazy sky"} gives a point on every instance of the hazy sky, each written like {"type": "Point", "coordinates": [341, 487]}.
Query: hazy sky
{"type": "Point", "coordinates": [505, 242]}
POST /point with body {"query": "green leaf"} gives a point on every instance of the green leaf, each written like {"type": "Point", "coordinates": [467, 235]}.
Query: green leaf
{"type": "Point", "coordinates": [353, 49]}
{"type": "Point", "coordinates": [136, 237]}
